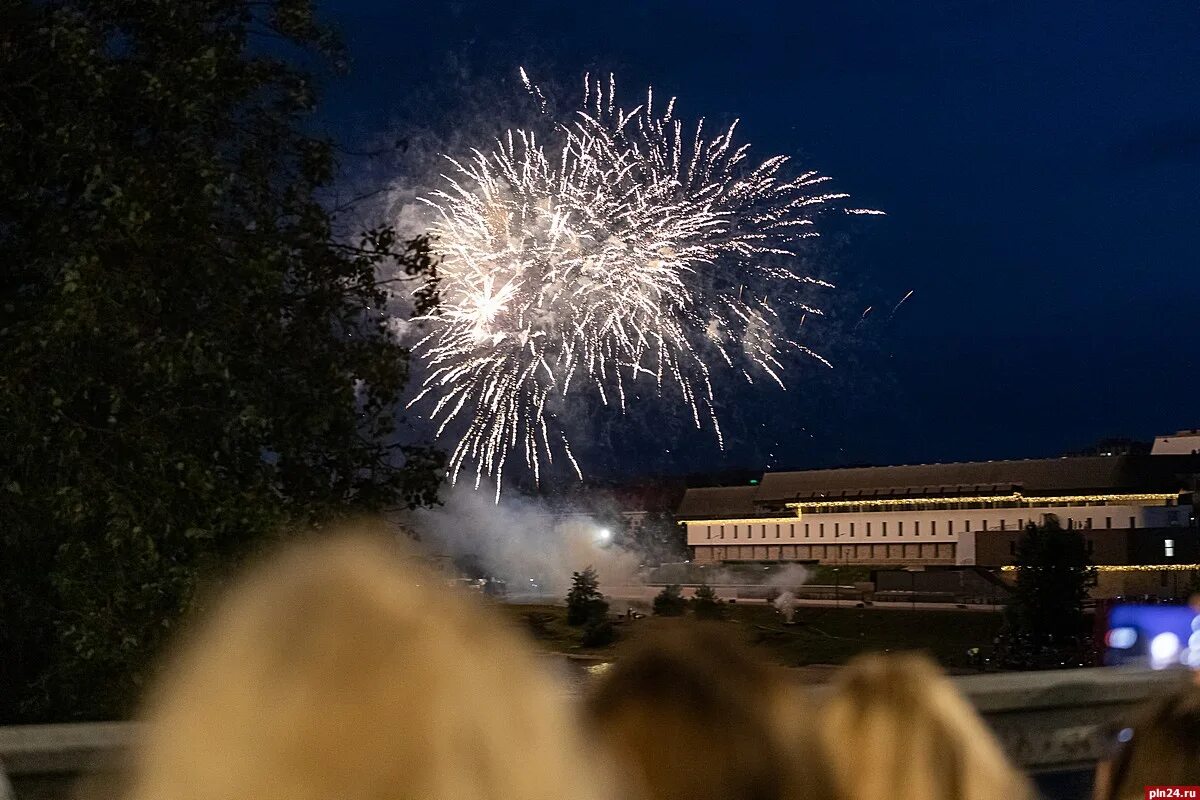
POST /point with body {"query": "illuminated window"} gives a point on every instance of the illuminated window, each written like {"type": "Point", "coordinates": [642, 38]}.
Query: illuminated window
{"type": "Point", "coordinates": [1169, 548]}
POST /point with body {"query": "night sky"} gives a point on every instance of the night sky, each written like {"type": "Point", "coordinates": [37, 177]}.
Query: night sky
{"type": "Point", "coordinates": [1039, 163]}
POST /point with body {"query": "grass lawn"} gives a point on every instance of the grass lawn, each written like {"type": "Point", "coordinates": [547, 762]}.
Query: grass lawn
{"type": "Point", "coordinates": [820, 635]}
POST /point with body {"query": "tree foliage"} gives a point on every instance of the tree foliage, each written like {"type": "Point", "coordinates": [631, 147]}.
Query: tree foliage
{"type": "Point", "coordinates": [191, 356]}
{"type": "Point", "coordinates": [669, 602]}
{"type": "Point", "coordinates": [585, 603]}
{"type": "Point", "coordinates": [1045, 624]}
{"type": "Point", "coordinates": [706, 604]}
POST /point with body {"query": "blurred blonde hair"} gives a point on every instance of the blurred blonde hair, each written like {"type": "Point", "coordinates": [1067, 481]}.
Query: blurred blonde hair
{"type": "Point", "coordinates": [691, 715]}
{"type": "Point", "coordinates": [339, 669]}
{"type": "Point", "coordinates": [894, 726]}
{"type": "Point", "coordinates": [1162, 748]}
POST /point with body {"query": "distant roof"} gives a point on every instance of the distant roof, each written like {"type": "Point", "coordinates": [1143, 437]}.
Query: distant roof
{"type": "Point", "coordinates": [1046, 476]}
{"type": "Point", "coordinates": [1029, 476]}
{"type": "Point", "coordinates": [717, 501]}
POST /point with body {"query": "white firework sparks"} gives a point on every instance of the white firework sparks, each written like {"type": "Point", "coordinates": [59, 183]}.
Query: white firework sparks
{"type": "Point", "coordinates": [626, 249]}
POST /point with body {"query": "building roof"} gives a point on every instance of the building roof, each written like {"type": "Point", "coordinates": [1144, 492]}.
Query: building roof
{"type": "Point", "coordinates": [717, 501]}
{"type": "Point", "coordinates": [1031, 477]}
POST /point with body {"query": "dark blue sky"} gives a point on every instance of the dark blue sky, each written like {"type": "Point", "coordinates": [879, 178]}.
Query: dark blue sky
{"type": "Point", "coordinates": [1039, 162]}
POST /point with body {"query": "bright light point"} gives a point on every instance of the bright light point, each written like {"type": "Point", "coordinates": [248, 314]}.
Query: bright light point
{"type": "Point", "coordinates": [1163, 649]}
{"type": "Point", "coordinates": [1121, 638]}
{"type": "Point", "coordinates": [603, 536]}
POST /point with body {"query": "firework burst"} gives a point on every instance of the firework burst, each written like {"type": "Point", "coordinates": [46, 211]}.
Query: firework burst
{"type": "Point", "coordinates": [625, 248]}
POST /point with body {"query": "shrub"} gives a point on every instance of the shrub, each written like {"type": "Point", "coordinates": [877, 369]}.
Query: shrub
{"type": "Point", "coordinates": [706, 604]}
{"type": "Point", "coordinates": [669, 602]}
{"type": "Point", "coordinates": [598, 633]}
{"type": "Point", "coordinates": [585, 604]}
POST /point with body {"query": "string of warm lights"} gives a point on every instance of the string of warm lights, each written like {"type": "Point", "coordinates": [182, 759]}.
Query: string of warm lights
{"type": "Point", "coordinates": [1128, 568]}
{"type": "Point", "coordinates": [1015, 497]}
{"type": "Point", "coordinates": [744, 521]}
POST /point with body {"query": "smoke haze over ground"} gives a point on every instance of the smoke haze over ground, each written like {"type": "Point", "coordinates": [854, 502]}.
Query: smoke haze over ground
{"type": "Point", "coordinates": [519, 539]}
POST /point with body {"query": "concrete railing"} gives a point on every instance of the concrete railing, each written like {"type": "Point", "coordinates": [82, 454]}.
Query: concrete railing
{"type": "Point", "coordinates": [1053, 720]}
{"type": "Point", "coordinates": [1061, 719]}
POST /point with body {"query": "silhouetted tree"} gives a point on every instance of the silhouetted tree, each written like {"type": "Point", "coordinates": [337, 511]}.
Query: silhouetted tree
{"type": "Point", "coordinates": [669, 602]}
{"type": "Point", "coordinates": [585, 603]}
{"type": "Point", "coordinates": [706, 604]}
{"type": "Point", "coordinates": [191, 355]}
{"type": "Point", "coordinates": [1045, 624]}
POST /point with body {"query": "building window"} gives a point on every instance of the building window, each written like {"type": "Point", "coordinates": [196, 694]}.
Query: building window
{"type": "Point", "coordinates": [950, 526]}
{"type": "Point", "coordinates": [933, 527]}
{"type": "Point", "coordinates": [837, 530]}
{"type": "Point", "coordinates": [1070, 524]}
{"type": "Point", "coordinates": [806, 530]}
{"type": "Point", "coordinates": [1132, 523]}
{"type": "Point", "coordinates": [735, 527]}
{"type": "Point", "coordinates": [821, 530]}
{"type": "Point", "coordinates": [722, 532]}
{"type": "Point", "coordinates": [851, 528]}
{"type": "Point", "coordinates": [985, 525]}
{"type": "Point", "coordinates": [868, 529]}
{"type": "Point", "coordinates": [968, 526]}
{"type": "Point", "coordinates": [1169, 548]}
{"type": "Point", "coordinates": [884, 524]}
{"type": "Point", "coordinates": [917, 527]}
{"type": "Point", "coordinates": [1012, 548]}
{"type": "Point", "coordinates": [708, 531]}
{"type": "Point", "coordinates": [1087, 523]}
{"type": "Point", "coordinates": [900, 528]}
{"type": "Point", "coordinates": [1003, 523]}
{"type": "Point", "coordinates": [1021, 524]}
{"type": "Point", "coordinates": [776, 531]}
{"type": "Point", "coordinates": [1108, 522]}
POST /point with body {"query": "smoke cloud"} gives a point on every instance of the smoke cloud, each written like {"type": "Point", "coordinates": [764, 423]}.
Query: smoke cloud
{"type": "Point", "coordinates": [522, 541]}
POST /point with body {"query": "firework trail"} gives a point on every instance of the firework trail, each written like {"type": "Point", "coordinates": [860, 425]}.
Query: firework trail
{"type": "Point", "coordinates": [625, 248]}
{"type": "Point", "coordinates": [902, 301]}
{"type": "Point", "coordinates": [863, 318]}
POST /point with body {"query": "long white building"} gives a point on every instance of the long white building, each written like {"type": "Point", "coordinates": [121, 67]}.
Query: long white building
{"type": "Point", "coordinates": [1136, 512]}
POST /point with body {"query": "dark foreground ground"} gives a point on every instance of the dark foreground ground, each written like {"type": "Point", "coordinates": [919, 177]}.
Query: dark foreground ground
{"type": "Point", "coordinates": [818, 636]}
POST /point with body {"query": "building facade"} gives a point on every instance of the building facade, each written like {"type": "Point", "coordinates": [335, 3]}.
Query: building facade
{"type": "Point", "coordinates": [1134, 510]}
